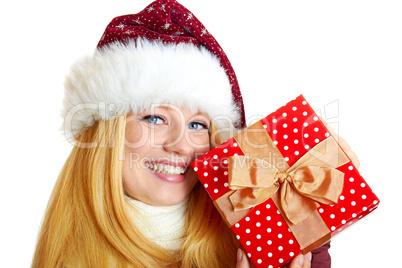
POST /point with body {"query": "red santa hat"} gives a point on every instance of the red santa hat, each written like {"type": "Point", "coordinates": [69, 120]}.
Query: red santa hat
{"type": "Point", "coordinates": [163, 54]}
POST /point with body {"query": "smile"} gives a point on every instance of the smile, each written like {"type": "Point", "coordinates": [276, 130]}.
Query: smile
{"type": "Point", "coordinates": [166, 169]}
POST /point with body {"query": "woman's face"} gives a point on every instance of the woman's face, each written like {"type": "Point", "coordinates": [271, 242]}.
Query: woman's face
{"type": "Point", "coordinates": [160, 144]}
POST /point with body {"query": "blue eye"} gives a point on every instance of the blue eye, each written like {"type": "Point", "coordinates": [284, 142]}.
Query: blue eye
{"type": "Point", "coordinates": [197, 126]}
{"type": "Point", "coordinates": [153, 119]}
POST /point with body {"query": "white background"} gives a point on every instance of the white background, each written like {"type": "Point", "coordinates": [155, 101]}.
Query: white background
{"type": "Point", "coordinates": [344, 55]}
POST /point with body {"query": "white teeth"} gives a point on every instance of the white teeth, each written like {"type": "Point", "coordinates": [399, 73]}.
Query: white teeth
{"type": "Point", "coordinates": [166, 169]}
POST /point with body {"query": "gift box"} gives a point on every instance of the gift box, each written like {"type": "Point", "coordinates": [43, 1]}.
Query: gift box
{"type": "Point", "coordinates": [284, 186]}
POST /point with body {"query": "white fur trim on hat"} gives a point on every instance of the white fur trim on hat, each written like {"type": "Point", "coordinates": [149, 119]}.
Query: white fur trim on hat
{"type": "Point", "coordinates": [122, 78]}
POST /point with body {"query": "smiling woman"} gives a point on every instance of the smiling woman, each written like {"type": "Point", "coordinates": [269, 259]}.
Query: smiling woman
{"type": "Point", "coordinates": [139, 111]}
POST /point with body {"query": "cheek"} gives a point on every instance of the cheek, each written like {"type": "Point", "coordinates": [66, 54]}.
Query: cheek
{"type": "Point", "coordinates": [200, 142]}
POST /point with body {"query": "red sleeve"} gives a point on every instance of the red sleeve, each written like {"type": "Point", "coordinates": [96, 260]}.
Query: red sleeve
{"type": "Point", "coordinates": [321, 257]}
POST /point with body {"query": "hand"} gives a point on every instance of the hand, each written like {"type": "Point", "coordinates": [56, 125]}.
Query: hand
{"type": "Point", "coordinates": [301, 261]}
{"type": "Point", "coordinates": [344, 145]}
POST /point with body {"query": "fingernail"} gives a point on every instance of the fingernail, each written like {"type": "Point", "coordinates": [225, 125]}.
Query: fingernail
{"type": "Point", "coordinates": [239, 255]}
{"type": "Point", "coordinates": [309, 256]}
{"type": "Point", "coordinates": [301, 259]}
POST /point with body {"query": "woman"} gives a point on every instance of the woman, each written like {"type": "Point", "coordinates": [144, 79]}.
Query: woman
{"type": "Point", "coordinates": [139, 111]}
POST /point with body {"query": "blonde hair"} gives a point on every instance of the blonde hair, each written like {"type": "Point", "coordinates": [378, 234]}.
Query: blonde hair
{"type": "Point", "coordinates": [87, 222]}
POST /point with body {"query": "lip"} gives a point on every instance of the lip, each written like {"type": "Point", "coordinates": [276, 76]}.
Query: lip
{"type": "Point", "coordinates": [169, 177]}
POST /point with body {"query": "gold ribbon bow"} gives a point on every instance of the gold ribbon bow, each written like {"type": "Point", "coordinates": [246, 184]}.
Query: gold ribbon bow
{"type": "Point", "coordinates": [313, 179]}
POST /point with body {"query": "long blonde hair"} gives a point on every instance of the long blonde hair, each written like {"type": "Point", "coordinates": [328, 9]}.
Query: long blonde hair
{"type": "Point", "coordinates": [87, 222]}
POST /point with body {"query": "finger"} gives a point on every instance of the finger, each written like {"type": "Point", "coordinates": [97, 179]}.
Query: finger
{"type": "Point", "coordinates": [307, 260]}
{"type": "Point", "coordinates": [242, 261]}
{"type": "Point", "coordinates": [301, 261]}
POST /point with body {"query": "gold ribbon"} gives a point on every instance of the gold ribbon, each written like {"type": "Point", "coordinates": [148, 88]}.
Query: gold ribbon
{"type": "Point", "coordinates": [302, 187]}
{"type": "Point", "coordinates": [264, 173]}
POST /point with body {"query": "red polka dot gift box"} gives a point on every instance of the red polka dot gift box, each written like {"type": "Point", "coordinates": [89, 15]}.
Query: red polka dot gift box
{"type": "Point", "coordinates": [284, 186]}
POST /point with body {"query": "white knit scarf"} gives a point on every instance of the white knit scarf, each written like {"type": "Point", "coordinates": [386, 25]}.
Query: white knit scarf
{"type": "Point", "coordinates": [163, 225]}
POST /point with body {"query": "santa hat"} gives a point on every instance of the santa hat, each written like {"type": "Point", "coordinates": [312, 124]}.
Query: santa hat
{"type": "Point", "coordinates": [163, 54]}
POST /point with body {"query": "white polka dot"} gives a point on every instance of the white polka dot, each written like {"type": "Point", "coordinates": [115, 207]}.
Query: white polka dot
{"type": "Point", "coordinates": [291, 254]}
{"type": "Point", "coordinates": [280, 248]}
{"type": "Point", "coordinates": [354, 215]}
{"type": "Point", "coordinates": [235, 144]}
{"type": "Point", "coordinates": [316, 140]}
{"type": "Point", "coordinates": [216, 191]}
{"type": "Point", "coordinates": [326, 134]}
{"type": "Point", "coordinates": [269, 230]}
{"type": "Point", "coordinates": [350, 167]}
{"type": "Point", "coordinates": [206, 185]}
{"type": "Point", "coordinates": [249, 255]}
{"type": "Point", "coordinates": [274, 120]}
{"type": "Point", "coordinates": [248, 231]}
{"type": "Point", "coordinates": [304, 113]}
{"type": "Point", "coordinates": [294, 119]}
{"type": "Point", "coordinates": [248, 243]}
{"type": "Point", "coordinates": [195, 168]}
{"type": "Point", "coordinates": [315, 118]}
{"type": "Point", "coordinates": [268, 218]}
{"type": "Point", "coordinates": [215, 179]}
{"type": "Point", "coordinates": [277, 212]}
{"type": "Point", "coordinates": [306, 147]}
{"type": "Point", "coordinates": [279, 223]}
{"type": "Point", "coordinates": [268, 206]}
{"type": "Point", "coordinates": [332, 216]}
{"type": "Point", "coordinates": [238, 237]}
{"type": "Point", "coordinates": [275, 131]}
{"type": "Point", "coordinates": [363, 185]}
{"type": "Point", "coordinates": [258, 224]}
{"type": "Point", "coordinates": [237, 225]}
{"type": "Point", "coordinates": [343, 221]}
{"type": "Point", "coordinates": [225, 173]}
{"type": "Point", "coordinates": [343, 209]}
{"type": "Point", "coordinates": [375, 202]}
{"type": "Point", "coordinates": [316, 129]}
{"type": "Point", "coordinates": [285, 136]}
{"type": "Point", "coordinates": [225, 161]}
{"type": "Point", "coordinates": [270, 266]}
{"type": "Point", "coordinates": [353, 203]}
{"type": "Point", "coordinates": [279, 235]}
{"type": "Point", "coordinates": [294, 108]}
{"type": "Point", "coordinates": [258, 236]}
{"type": "Point", "coordinates": [352, 191]}
{"type": "Point", "coordinates": [351, 179]}
{"type": "Point", "coordinates": [225, 150]}
{"type": "Point", "coordinates": [291, 241]}
{"type": "Point", "coordinates": [226, 184]}
{"type": "Point", "coordinates": [205, 174]}
{"type": "Point", "coordinates": [364, 208]}
{"type": "Point", "coordinates": [284, 114]}
{"type": "Point", "coordinates": [216, 168]}
{"type": "Point", "coordinates": [286, 147]}
{"type": "Point", "coordinates": [215, 157]}
{"type": "Point", "coordinates": [286, 159]}
{"type": "Point", "coordinates": [205, 163]}
{"type": "Point", "coordinates": [305, 124]}
{"type": "Point", "coordinates": [270, 255]}
{"type": "Point", "coordinates": [276, 142]}
{"type": "Point", "coordinates": [247, 218]}
{"type": "Point", "coordinates": [342, 197]}
{"type": "Point", "coordinates": [269, 242]}
{"type": "Point", "coordinates": [285, 125]}
{"type": "Point", "coordinates": [257, 212]}
{"type": "Point", "coordinates": [304, 102]}
{"type": "Point", "coordinates": [280, 260]}
{"type": "Point", "coordinates": [321, 210]}
{"type": "Point", "coordinates": [296, 141]}
{"type": "Point", "coordinates": [306, 135]}
{"type": "Point", "coordinates": [333, 228]}
{"type": "Point", "coordinates": [258, 248]}
{"type": "Point", "coordinates": [259, 261]}
{"type": "Point", "coordinates": [296, 152]}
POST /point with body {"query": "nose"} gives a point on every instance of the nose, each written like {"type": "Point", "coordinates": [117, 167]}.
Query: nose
{"type": "Point", "coordinates": [178, 141]}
